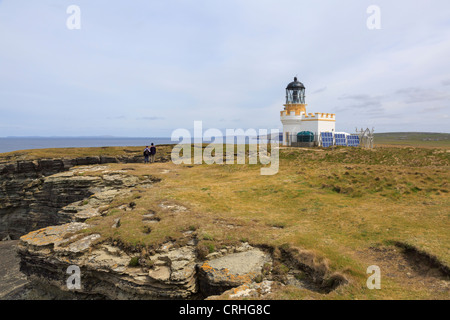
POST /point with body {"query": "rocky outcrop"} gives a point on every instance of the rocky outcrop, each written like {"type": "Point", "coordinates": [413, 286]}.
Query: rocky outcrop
{"type": "Point", "coordinates": [105, 270]}
{"type": "Point", "coordinates": [232, 270]}
{"type": "Point", "coordinates": [30, 198]}
{"type": "Point", "coordinates": [65, 200]}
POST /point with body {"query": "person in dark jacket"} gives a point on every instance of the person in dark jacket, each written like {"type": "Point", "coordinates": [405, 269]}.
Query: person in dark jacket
{"type": "Point", "coordinates": [147, 153]}
{"type": "Point", "coordinates": [152, 153]}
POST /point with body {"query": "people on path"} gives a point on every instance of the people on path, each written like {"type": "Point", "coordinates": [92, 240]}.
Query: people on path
{"type": "Point", "coordinates": [147, 154]}
{"type": "Point", "coordinates": [152, 153]}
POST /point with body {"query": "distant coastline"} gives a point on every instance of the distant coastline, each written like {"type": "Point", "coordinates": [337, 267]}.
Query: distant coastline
{"type": "Point", "coordinates": [9, 144]}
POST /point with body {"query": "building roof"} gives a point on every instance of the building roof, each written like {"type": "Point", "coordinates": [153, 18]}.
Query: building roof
{"type": "Point", "coordinates": [295, 85]}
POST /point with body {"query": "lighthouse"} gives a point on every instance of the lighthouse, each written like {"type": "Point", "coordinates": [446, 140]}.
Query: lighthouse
{"type": "Point", "coordinates": [297, 121]}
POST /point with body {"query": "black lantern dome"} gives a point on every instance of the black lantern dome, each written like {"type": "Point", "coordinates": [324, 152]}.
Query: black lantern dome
{"type": "Point", "coordinates": [295, 92]}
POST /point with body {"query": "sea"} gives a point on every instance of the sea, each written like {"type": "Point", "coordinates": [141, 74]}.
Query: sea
{"type": "Point", "coordinates": [9, 144]}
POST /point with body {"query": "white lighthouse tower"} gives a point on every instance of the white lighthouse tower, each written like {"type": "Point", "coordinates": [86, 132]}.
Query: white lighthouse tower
{"type": "Point", "coordinates": [295, 119]}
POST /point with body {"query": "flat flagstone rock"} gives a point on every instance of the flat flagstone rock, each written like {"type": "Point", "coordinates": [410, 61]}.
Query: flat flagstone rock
{"type": "Point", "coordinates": [236, 269]}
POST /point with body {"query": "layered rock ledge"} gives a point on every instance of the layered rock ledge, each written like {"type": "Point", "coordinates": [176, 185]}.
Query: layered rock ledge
{"type": "Point", "coordinates": [106, 273]}
{"type": "Point", "coordinates": [30, 198]}
{"type": "Point", "coordinates": [105, 270]}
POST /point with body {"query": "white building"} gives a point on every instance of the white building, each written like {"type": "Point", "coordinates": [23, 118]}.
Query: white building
{"type": "Point", "coordinates": [295, 119]}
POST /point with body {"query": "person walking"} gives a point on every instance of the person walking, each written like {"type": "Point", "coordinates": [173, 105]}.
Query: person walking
{"type": "Point", "coordinates": [147, 153]}
{"type": "Point", "coordinates": [152, 153]}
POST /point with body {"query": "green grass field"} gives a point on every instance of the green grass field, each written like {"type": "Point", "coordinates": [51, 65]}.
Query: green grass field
{"type": "Point", "coordinates": [413, 139]}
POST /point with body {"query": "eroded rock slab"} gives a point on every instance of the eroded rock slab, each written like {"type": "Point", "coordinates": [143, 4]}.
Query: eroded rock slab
{"type": "Point", "coordinates": [247, 262]}
{"type": "Point", "coordinates": [51, 236]}
{"type": "Point", "coordinates": [232, 270]}
{"type": "Point", "coordinates": [105, 269]}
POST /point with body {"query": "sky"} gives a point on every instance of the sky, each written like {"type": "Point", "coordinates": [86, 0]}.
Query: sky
{"type": "Point", "coordinates": [145, 68]}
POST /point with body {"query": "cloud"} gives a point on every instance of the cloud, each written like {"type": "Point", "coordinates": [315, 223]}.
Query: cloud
{"type": "Point", "coordinates": [433, 108]}
{"type": "Point", "coordinates": [362, 102]}
{"type": "Point", "coordinates": [151, 118]}
{"type": "Point", "coordinates": [320, 90]}
{"type": "Point", "coordinates": [420, 95]}
{"type": "Point", "coordinates": [116, 117]}
{"type": "Point", "coordinates": [358, 97]}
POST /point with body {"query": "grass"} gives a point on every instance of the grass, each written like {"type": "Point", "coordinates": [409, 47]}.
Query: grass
{"type": "Point", "coordinates": [70, 153]}
{"type": "Point", "coordinates": [422, 139]}
{"type": "Point", "coordinates": [339, 204]}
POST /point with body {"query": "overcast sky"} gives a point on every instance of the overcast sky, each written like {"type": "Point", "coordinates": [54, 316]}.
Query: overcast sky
{"type": "Point", "coordinates": [145, 68]}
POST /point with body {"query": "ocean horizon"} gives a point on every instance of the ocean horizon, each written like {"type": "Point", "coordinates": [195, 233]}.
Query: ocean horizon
{"type": "Point", "coordinates": [9, 144]}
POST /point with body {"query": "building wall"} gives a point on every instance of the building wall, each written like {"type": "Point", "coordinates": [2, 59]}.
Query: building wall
{"type": "Point", "coordinates": [318, 122]}
{"type": "Point", "coordinates": [291, 125]}
{"type": "Point", "coordinates": [297, 108]}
